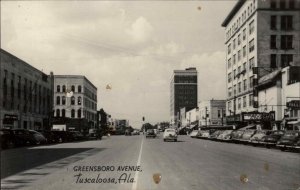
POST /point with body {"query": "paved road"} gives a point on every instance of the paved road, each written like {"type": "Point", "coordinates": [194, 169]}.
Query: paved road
{"type": "Point", "coordinates": [186, 164]}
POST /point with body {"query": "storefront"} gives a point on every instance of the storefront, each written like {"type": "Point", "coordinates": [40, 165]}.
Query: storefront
{"type": "Point", "coordinates": [262, 120]}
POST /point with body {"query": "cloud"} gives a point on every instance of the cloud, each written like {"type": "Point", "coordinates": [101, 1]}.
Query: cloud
{"type": "Point", "coordinates": [140, 30]}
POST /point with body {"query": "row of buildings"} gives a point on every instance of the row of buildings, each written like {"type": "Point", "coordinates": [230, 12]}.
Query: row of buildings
{"type": "Point", "coordinates": [262, 42]}
{"type": "Point", "coordinates": [31, 99]}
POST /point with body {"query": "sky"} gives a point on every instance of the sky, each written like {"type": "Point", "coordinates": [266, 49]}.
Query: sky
{"type": "Point", "coordinates": [133, 46]}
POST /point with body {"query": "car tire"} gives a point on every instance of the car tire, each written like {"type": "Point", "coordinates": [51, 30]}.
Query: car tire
{"type": "Point", "coordinates": [175, 140]}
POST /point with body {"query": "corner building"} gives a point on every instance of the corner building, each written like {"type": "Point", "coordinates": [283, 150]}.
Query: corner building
{"type": "Point", "coordinates": [75, 101]}
{"type": "Point", "coordinates": [25, 95]}
{"type": "Point", "coordinates": [260, 37]}
{"type": "Point", "coordinates": [184, 92]}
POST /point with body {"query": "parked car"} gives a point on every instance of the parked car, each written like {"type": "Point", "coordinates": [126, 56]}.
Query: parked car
{"type": "Point", "coordinates": [271, 140]}
{"type": "Point", "coordinates": [135, 132]}
{"type": "Point", "coordinates": [49, 135]}
{"type": "Point", "coordinates": [7, 138]}
{"type": "Point", "coordinates": [95, 134]}
{"type": "Point", "coordinates": [247, 135]}
{"type": "Point", "coordinates": [257, 138]}
{"type": "Point", "coordinates": [150, 133]}
{"type": "Point", "coordinates": [288, 140]}
{"type": "Point", "coordinates": [297, 145]}
{"type": "Point", "coordinates": [25, 136]}
{"type": "Point", "coordinates": [203, 134]}
{"type": "Point", "coordinates": [63, 136]}
{"type": "Point", "coordinates": [194, 133]}
{"type": "Point", "coordinates": [170, 134]}
{"type": "Point", "coordinates": [215, 135]}
{"type": "Point", "coordinates": [237, 135]}
{"type": "Point", "coordinates": [127, 132]}
{"type": "Point", "coordinates": [225, 135]}
{"type": "Point", "coordinates": [77, 136]}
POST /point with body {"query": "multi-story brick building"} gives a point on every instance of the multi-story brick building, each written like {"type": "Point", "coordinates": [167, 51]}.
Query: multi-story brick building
{"type": "Point", "coordinates": [184, 92]}
{"type": "Point", "coordinates": [212, 112]}
{"type": "Point", "coordinates": [75, 98]}
{"type": "Point", "coordinates": [26, 94]}
{"type": "Point", "coordinates": [261, 36]}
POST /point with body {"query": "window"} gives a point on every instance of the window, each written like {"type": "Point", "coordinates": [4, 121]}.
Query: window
{"type": "Point", "coordinates": [63, 113]}
{"type": "Point", "coordinates": [234, 59]}
{"type": "Point", "coordinates": [282, 4]}
{"type": "Point", "coordinates": [229, 63]}
{"type": "Point", "coordinates": [251, 27]}
{"type": "Point", "coordinates": [229, 92]}
{"type": "Point", "coordinates": [64, 88]}
{"type": "Point", "coordinates": [273, 42]}
{"type": "Point", "coordinates": [251, 63]}
{"type": "Point", "coordinates": [239, 55]}
{"type": "Point", "coordinates": [73, 88]}
{"type": "Point", "coordinates": [57, 88]}
{"type": "Point", "coordinates": [79, 113]}
{"type": "Point", "coordinates": [239, 87]}
{"type": "Point", "coordinates": [250, 99]}
{"type": "Point", "coordinates": [79, 88]}
{"type": "Point", "coordinates": [273, 4]}
{"type": "Point", "coordinates": [72, 113]}
{"type": "Point", "coordinates": [244, 67]}
{"type": "Point", "coordinates": [244, 102]}
{"type": "Point", "coordinates": [251, 82]}
{"type": "Point", "coordinates": [244, 34]}
{"type": "Point", "coordinates": [244, 51]}
{"type": "Point", "coordinates": [286, 41]}
{"type": "Point", "coordinates": [79, 100]}
{"type": "Point", "coordinates": [234, 89]}
{"type": "Point", "coordinates": [273, 22]}
{"type": "Point", "coordinates": [72, 100]}
{"type": "Point", "coordinates": [63, 100]}
{"type": "Point", "coordinates": [229, 48]}
{"type": "Point", "coordinates": [57, 113]}
{"type": "Point", "coordinates": [57, 100]}
{"type": "Point", "coordinates": [292, 4]}
{"type": "Point", "coordinates": [233, 44]}
{"type": "Point", "coordinates": [245, 84]}
{"type": "Point", "coordinates": [273, 63]}
{"type": "Point", "coordinates": [251, 45]}
{"type": "Point", "coordinates": [286, 60]}
{"type": "Point", "coordinates": [239, 103]}
{"type": "Point", "coordinates": [239, 39]}
{"type": "Point", "coordinates": [229, 77]}
{"type": "Point", "coordinates": [239, 69]}
{"type": "Point", "coordinates": [229, 105]}
{"type": "Point", "coordinates": [234, 73]}
{"type": "Point", "coordinates": [286, 22]}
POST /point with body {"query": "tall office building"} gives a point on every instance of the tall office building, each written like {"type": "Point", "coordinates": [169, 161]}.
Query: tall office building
{"type": "Point", "coordinates": [261, 36]}
{"type": "Point", "coordinates": [184, 92]}
{"type": "Point", "coordinates": [75, 98]}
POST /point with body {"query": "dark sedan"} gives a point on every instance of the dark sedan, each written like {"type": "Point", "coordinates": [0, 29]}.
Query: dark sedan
{"type": "Point", "coordinates": [271, 140]}
{"type": "Point", "coordinates": [288, 140]}
{"type": "Point", "coordinates": [150, 133]}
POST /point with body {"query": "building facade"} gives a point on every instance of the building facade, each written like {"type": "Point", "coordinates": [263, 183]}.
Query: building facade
{"type": "Point", "coordinates": [184, 92]}
{"type": "Point", "coordinates": [212, 112]}
{"type": "Point", "coordinates": [26, 94]}
{"type": "Point", "coordinates": [260, 37]}
{"type": "Point", "coordinates": [279, 92]}
{"type": "Point", "coordinates": [75, 98]}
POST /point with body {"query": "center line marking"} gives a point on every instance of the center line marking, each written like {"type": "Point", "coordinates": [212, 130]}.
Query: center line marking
{"type": "Point", "coordinates": [136, 176]}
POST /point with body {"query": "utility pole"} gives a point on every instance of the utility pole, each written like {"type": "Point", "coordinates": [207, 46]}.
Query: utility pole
{"type": "Point", "coordinates": [206, 116]}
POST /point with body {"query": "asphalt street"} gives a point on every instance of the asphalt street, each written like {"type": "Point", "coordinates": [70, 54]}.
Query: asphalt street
{"type": "Point", "coordinates": [112, 163]}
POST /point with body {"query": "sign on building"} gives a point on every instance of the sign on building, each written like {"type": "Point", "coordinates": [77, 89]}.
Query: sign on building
{"type": "Point", "coordinates": [258, 116]}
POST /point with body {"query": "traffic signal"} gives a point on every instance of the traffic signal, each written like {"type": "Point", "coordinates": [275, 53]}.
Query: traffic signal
{"type": "Point", "coordinates": [143, 118]}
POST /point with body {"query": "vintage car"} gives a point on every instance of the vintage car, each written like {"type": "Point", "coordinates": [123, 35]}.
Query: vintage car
{"type": "Point", "coordinates": [170, 134]}
{"type": "Point", "coordinates": [288, 140]}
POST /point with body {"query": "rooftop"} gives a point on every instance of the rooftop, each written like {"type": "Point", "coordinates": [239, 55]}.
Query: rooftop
{"type": "Point", "coordinates": [231, 14]}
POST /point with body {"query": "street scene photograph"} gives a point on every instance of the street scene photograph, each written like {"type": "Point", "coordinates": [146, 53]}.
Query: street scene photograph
{"type": "Point", "coordinates": [150, 95]}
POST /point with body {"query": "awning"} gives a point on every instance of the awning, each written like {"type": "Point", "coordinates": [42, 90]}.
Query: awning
{"type": "Point", "coordinates": [293, 122]}
{"type": "Point", "coordinates": [268, 78]}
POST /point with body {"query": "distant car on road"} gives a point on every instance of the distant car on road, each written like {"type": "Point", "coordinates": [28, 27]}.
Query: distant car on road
{"type": "Point", "coordinates": [150, 133]}
{"type": "Point", "coordinates": [271, 140]}
{"type": "Point", "coordinates": [170, 134]}
{"type": "Point", "coordinates": [25, 136]}
{"type": "Point", "coordinates": [95, 134]}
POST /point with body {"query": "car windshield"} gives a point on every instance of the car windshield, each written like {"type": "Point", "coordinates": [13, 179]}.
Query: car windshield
{"type": "Point", "coordinates": [170, 130]}
{"type": "Point", "coordinates": [278, 133]}
{"type": "Point", "coordinates": [291, 135]}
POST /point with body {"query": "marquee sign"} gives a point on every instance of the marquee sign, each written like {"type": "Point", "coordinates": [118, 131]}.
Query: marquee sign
{"type": "Point", "coordinates": [293, 104]}
{"type": "Point", "coordinates": [257, 116]}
